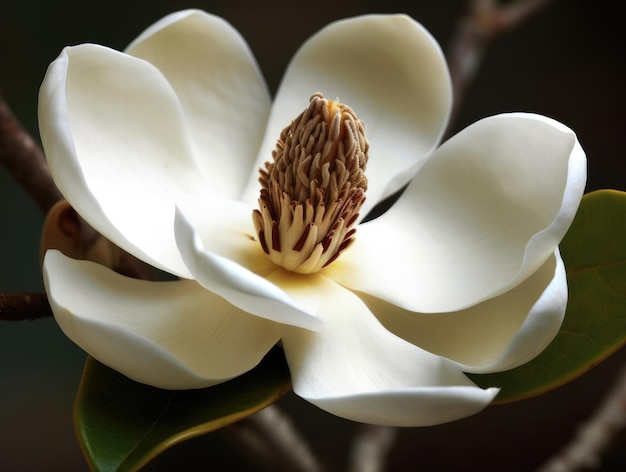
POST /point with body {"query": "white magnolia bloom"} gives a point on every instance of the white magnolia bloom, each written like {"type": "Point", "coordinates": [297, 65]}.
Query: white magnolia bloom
{"type": "Point", "coordinates": [159, 149]}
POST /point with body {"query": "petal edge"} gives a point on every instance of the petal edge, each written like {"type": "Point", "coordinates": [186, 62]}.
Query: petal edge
{"type": "Point", "coordinates": [172, 335]}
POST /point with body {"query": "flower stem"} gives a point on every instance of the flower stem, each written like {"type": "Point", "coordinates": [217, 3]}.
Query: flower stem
{"type": "Point", "coordinates": [20, 306]}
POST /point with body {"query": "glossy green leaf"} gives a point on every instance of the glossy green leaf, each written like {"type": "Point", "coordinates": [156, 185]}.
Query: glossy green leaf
{"type": "Point", "coordinates": [594, 251]}
{"type": "Point", "coordinates": [122, 424]}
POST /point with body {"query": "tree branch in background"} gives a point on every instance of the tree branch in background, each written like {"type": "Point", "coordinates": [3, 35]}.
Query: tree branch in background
{"type": "Point", "coordinates": [595, 436]}
{"type": "Point", "coordinates": [371, 447]}
{"type": "Point", "coordinates": [25, 160]}
{"type": "Point", "coordinates": [485, 21]}
{"type": "Point", "coordinates": [270, 438]}
{"type": "Point", "coordinates": [21, 306]}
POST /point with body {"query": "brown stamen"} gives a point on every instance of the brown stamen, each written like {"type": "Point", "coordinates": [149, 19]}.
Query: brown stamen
{"type": "Point", "coordinates": [312, 192]}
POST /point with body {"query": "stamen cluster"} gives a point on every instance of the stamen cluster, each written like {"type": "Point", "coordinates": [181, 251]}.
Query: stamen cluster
{"type": "Point", "coordinates": [312, 191]}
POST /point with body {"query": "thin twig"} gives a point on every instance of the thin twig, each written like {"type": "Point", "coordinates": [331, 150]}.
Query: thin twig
{"type": "Point", "coordinates": [25, 160]}
{"type": "Point", "coordinates": [371, 447]}
{"type": "Point", "coordinates": [484, 22]}
{"type": "Point", "coordinates": [595, 436]}
{"type": "Point", "coordinates": [271, 439]}
{"type": "Point", "coordinates": [21, 306]}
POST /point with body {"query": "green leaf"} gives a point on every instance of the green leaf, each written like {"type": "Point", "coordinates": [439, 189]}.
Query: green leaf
{"type": "Point", "coordinates": [594, 251]}
{"type": "Point", "coordinates": [122, 424]}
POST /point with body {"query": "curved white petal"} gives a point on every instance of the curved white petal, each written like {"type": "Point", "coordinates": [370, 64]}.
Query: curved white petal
{"type": "Point", "coordinates": [173, 335]}
{"type": "Point", "coordinates": [392, 72]}
{"type": "Point", "coordinates": [235, 282]}
{"type": "Point", "coordinates": [225, 227]}
{"type": "Point", "coordinates": [115, 139]}
{"type": "Point", "coordinates": [482, 215]}
{"type": "Point", "coordinates": [220, 88]}
{"type": "Point", "coordinates": [356, 369]}
{"type": "Point", "coordinates": [495, 335]}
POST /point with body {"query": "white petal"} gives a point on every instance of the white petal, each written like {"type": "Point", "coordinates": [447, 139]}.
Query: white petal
{"type": "Point", "coordinates": [173, 335]}
{"type": "Point", "coordinates": [392, 73]}
{"type": "Point", "coordinates": [482, 215]}
{"type": "Point", "coordinates": [225, 227]}
{"type": "Point", "coordinates": [221, 90]}
{"type": "Point", "coordinates": [495, 335]}
{"type": "Point", "coordinates": [235, 282]}
{"type": "Point", "coordinates": [356, 369]}
{"type": "Point", "coordinates": [115, 139]}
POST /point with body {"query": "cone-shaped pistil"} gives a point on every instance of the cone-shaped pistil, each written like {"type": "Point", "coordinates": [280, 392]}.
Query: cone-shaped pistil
{"type": "Point", "coordinates": [312, 192]}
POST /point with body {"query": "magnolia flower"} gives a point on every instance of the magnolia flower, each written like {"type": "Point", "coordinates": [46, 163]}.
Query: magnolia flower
{"type": "Point", "coordinates": [159, 148]}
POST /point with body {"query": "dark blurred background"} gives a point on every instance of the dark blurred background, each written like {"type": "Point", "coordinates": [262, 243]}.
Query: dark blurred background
{"type": "Point", "coordinates": [567, 62]}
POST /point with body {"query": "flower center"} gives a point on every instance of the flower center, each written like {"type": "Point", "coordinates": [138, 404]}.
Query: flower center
{"type": "Point", "coordinates": [312, 192]}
